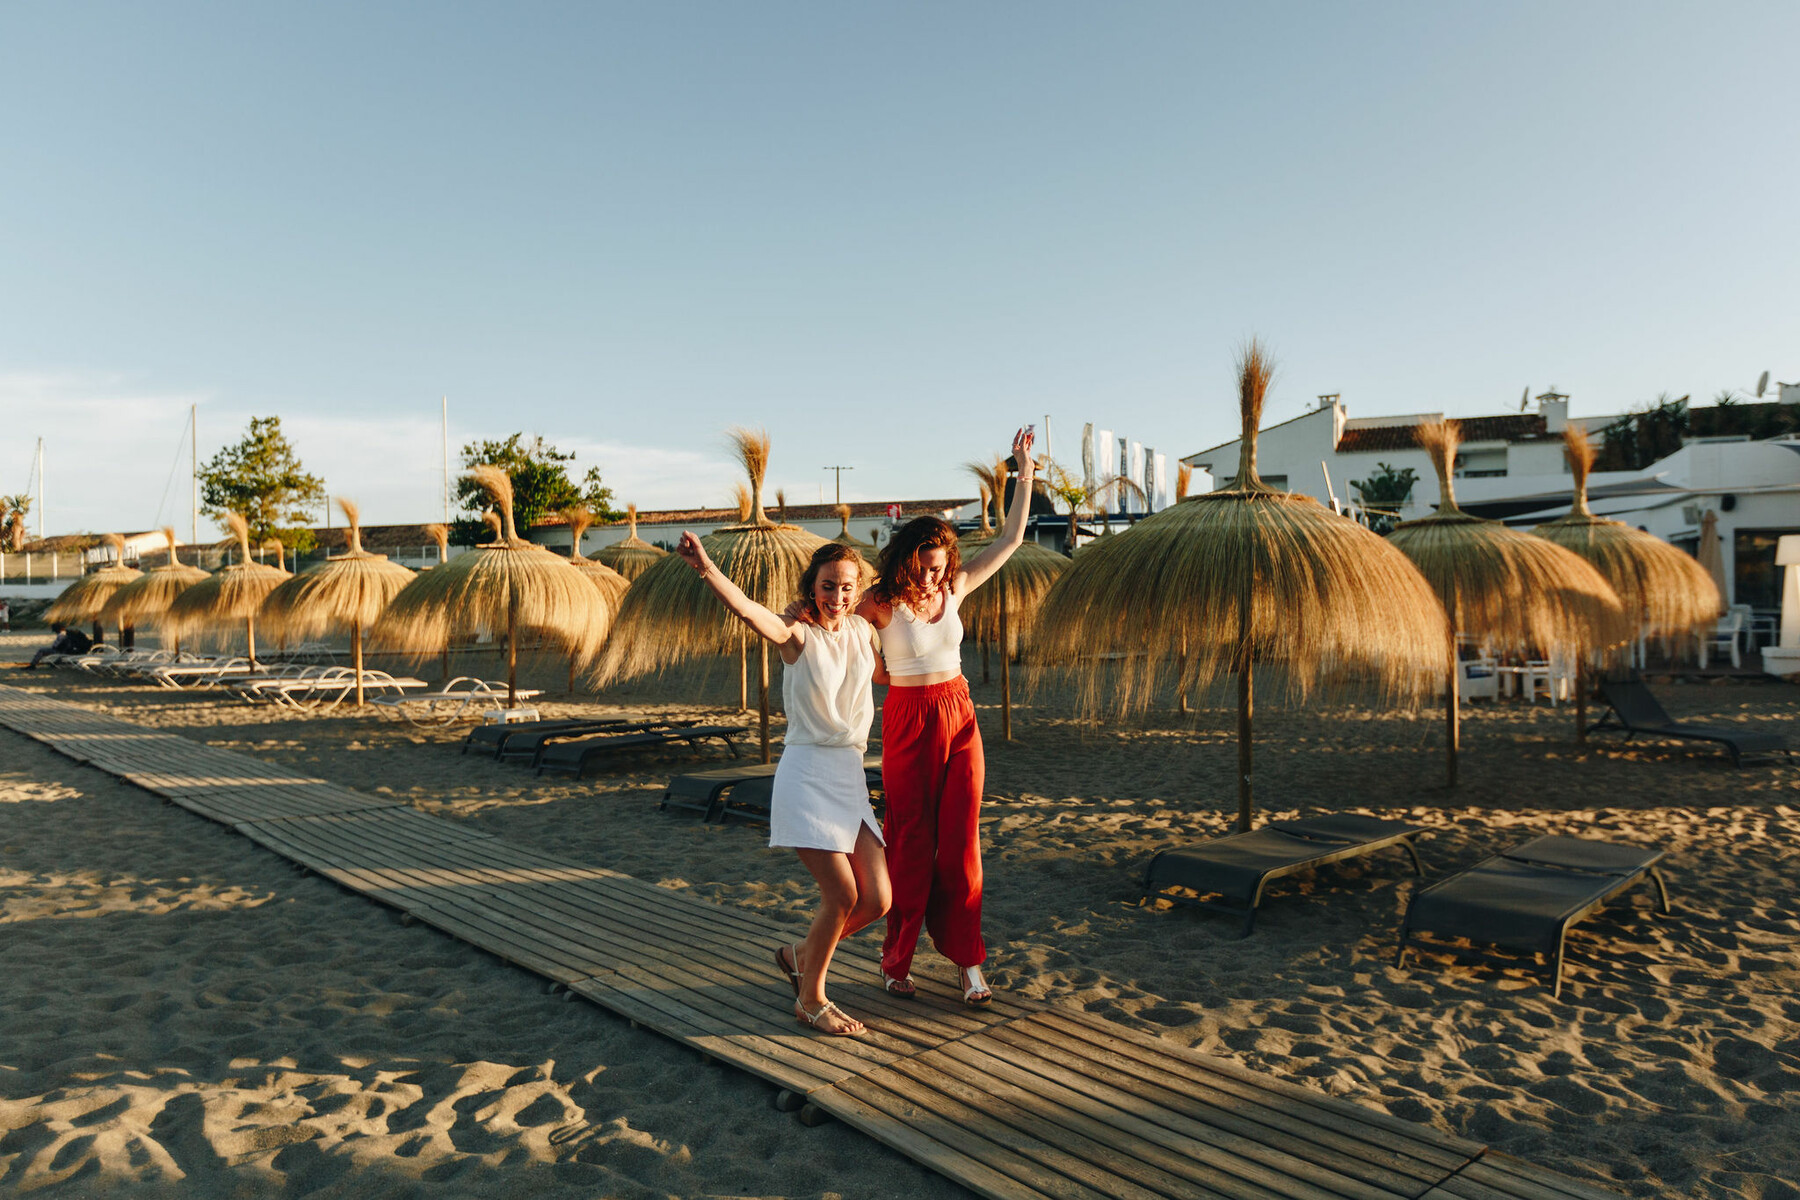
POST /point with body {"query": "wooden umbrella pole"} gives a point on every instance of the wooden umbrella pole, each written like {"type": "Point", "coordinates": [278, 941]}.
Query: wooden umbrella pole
{"type": "Point", "coordinates": [1005, 676]}
{"type": "Point", "coordinates": [250, 635]}
{"type": "Point", "coordinates": [1181, 674]}
{"type": "Point", "coordinates": [1452, 697]}
{"type": "Point", "coordinates": [512, 652]}
{"type": "Point", "coordinates": [743, 676]}
{"type": "Point", "coordinates": [762, 693]}
{"type": "Point", "coordinates": [1580, 701]}
{"type": "Point", "coordinates": [1246, 708]}
{"type": "Point", "coordinates": [356, 660]}
{"type": "Point", "coordinates": [984, 661]}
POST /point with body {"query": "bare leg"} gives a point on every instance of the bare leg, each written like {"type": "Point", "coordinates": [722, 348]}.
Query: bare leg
{"type": "Point", "coordinates": [853, 892]}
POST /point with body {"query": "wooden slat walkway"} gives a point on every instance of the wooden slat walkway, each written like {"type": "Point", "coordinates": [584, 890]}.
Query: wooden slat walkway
{"type": "Point", "coordinates": [1016, 1101]}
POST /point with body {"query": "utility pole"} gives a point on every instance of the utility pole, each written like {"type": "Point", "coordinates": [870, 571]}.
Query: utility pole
{"type": "Point", "coordinates": [40, 503]}
{"type": "Point", "coordinates": [446, 429]}
{"type": "Point", "coordinates": [840, 481]}
{"type": "Point", "coordinates": [194, 463]}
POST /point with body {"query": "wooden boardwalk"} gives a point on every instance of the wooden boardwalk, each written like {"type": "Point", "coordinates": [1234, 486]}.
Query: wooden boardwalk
{"type": "Point", "coordinates": [1018, 1100]}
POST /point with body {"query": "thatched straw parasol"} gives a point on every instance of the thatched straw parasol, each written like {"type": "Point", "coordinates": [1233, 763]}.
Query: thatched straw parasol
{"type": "Point", "coordinates": [512, 584]}
{"type": "Point", "coordinates": [609, 583]}
{"type": "Point", "coordinates": [1002, 610]}
{"type": "Point", "coordinates": [670, 615]}
{"type": "Point", "coordinates": [633, 556]}
{"type": "Point", "coordinates": [234, 592]}
{"type": "Point", "coordinates": [1243, 577]}
{"type": "Point", "coordinates": [441, 535]}
{"type": "Point", "coordinates": [280, 549]}
{"type": "Point", "coordinates": [146, 601]}
{"type": "Point", "coordinates": [1664, 591]}
{"type": "Point", "coordinates": [846, 538]}
{"type": "Point", "coordinates": [347, 591]}
{"type": "Point", "coordinates": [1515, 592]}
{"type": "Point", "coordinates": [85, 599]}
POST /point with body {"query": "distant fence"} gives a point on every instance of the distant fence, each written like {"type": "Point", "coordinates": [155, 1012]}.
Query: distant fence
{"type": "Point", "coordinates": [40, 568]}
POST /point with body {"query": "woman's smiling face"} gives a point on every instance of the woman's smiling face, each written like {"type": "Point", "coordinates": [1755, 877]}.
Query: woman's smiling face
{"type": "Point", "coordinates": [835, 589]}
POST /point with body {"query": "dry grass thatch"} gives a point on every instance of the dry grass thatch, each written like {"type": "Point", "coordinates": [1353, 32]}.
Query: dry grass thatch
{"type": "Point", "coordinates": [347, 591]}
{"type": "Point", "coordinates": [670, 615]}
{"type": "Point", "coordinates": [845, 537]}
{"type": "Point", "coordinates": [1184, 480]}
{"type": "Point", "coordinates": [633, 556]}
{"type": "Point", "coordinates": [234, 592]}
{"type": "Point", "coordinates": [1018, 587]}
{"type": "Point", "coordinates": [85, 599]}
{"type": "Point", "coordinates": [146, 601]}
{"type": "Point", "coordinates": [1312, 597]}
{"type": "Point", "coordinates": [280, 549]}
{"type": "Point", "coordinates": [511, 585]}
{"type": "Point", "coordinates": [441, 535]}
{"type": "Point", "coordinates": [1665, 591]}
{"type": "Point", "coordinates": [1516, 592]}
{"type": "Point", "coordinates": [609, 583]}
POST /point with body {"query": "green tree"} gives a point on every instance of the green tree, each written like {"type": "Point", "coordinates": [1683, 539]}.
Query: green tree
{"type": "Point", "coordinates": [1383, 494]}
{"type": "Point", "coordinates": [1644, 435]}
{"type": "Point", "coordinates": [261, 477]}
{"type": "Point", "coordinates": [12, 520]}
{"type": "Point", "coordinates": [540, 479]}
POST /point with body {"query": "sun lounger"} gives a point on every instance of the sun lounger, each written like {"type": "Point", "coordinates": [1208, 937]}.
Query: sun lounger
{"type": "Point", "coordinates": [1230, 874]}
{"type": "Point", "coordinates": [739, 790]}
{"type": "Point", "coordinates": [534, 744]}
{"type": "Point", "coordinates": [492, 739]}
{"type": "Point", "coordinates": [451, 702]}
{"type": "Point", "coordinates": [573, 757]}
{"type": "Point", "coordinates": [1526, 898]}
{"type": "Point", "coordinates": [1634, 710]}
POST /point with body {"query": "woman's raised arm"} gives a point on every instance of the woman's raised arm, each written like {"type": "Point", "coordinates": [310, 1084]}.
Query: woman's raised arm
{"type": "Point", "coordinates": [976, 571]}
{"type": "Point", "coordinates": [766, 624]}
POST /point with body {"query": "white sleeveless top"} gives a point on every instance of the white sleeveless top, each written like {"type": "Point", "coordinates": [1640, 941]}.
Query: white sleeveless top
{"type": "Point", "coordinates": [914, 646]}
{"type": "Point", "coordinates": [826, 691]}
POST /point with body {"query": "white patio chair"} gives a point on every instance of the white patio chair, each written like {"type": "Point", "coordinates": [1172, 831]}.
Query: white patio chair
{"type": "Point", "coordinates": [1724, 636]}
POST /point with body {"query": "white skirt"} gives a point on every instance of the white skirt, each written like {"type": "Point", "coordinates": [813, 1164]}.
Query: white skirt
{"type": "Point", "coordinates": [821, 799]}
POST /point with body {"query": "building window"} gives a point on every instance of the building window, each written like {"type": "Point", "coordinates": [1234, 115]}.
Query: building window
{"type": "Point", "coordinates": [1278, 482]}
{"type": "Point", "coordinates": [1756, 578]}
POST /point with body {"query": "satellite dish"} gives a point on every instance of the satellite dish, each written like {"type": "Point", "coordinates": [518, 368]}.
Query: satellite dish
{"type": "Point", "coordinates": [1762, 385]}
{"type": "Point", "coordinates": [1525, 398]}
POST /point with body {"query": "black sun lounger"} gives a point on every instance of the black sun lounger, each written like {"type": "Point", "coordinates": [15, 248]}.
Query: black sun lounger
{"type": "Point", "coordinates": [533, 744]}
{"type": "Point", "coordinates": [573, 757]}
{"type": "Point", "coordinates": [494, 738]}
{"type": "Point", "coordinates": [1234, 870]}
{"type": "Point", "coordinates": [1526, 898]}
{"type": "Point", "coordinates": [1634, 710]}
{"type": "Point", "coordinates": [740, 791]}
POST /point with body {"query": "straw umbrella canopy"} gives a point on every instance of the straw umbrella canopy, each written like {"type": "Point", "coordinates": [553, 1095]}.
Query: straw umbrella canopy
{"type": "Point", "coordinates": [846, 538]}
{"type": "Point", "coordinates": [146, 601]}
{"type": "Point", "coordinates": [609, 583]}
{"type": "Point", "coordinates": [633, 556]}
{"type": "Point", "coordinates": [85, 599]}
{"type": "Point", "coordinates": [1515, 592]}
{"type": "Point", "coordinates": [1002, 610]}
{"type": "Point", "coordinates": [346, 591]}
{"type": "Point", "coordinates": [1245, 578]}
{"type": "Point", "coordinates": [670, 614]}
{"type": "Point", "coordinates": [1664, 591]}
{"type": "Point", "coordinates": [510, 584]}
{"type": "Point", "coordinates": [234, 592]}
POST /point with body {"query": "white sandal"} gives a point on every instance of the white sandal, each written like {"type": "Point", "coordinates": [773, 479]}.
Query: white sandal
{"type": "Point", "coordinates": [976, 992]}
{"type": "Point", "coordinates": [899, 989]}
{"type": "Point", "coordinates": [813, 1018]}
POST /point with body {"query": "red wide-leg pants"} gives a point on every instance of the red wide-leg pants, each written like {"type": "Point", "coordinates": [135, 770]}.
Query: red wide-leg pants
{"type": "Point", "coordinates": [932, 771]}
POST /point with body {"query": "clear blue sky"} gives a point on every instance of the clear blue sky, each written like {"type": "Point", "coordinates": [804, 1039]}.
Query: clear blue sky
{"type": "Point", "coordinates": [890, 233]}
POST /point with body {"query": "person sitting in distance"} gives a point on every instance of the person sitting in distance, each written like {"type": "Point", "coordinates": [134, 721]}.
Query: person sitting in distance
{"type": "Point", "coordinates": [68, 641]}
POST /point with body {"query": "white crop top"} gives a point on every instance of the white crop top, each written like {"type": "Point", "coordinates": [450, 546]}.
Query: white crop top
{"type": "Point", "coordinates": [913, 646]}
{"type": "Point", "coordinates": [825, 692]}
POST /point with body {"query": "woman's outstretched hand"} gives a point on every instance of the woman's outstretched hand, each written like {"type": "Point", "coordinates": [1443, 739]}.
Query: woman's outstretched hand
{"type": "Point", "coordinates": [798, 614]}
{"type": "Point", "coordinates": [693, 553]}
{"type": "Point", "coordinates": [1021, 452]}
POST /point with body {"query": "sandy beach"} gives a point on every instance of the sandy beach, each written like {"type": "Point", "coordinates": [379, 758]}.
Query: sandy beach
{"type": "Point", "coordinates": [185, 1012]}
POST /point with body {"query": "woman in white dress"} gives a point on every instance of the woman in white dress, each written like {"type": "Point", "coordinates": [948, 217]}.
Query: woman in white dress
{"type": "Point", "coordinates": [821, 806]}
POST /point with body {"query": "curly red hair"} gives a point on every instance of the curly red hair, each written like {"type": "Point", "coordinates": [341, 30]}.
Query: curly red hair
{"type": "Point", "coordinates": [900, 576]}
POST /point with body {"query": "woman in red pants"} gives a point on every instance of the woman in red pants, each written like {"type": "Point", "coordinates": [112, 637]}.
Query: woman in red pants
{"type": "Point", "coordinates": [931, 759]}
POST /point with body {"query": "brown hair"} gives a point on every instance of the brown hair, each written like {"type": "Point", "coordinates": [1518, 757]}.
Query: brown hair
{"type": "Point", "coordinates": [899, 574]}
{"type": "Point", "coordinates": [830, 552]}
